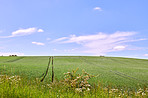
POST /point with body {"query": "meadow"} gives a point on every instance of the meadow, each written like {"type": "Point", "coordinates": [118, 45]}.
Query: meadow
{"type": "Point", "coordinates": [115, 72]}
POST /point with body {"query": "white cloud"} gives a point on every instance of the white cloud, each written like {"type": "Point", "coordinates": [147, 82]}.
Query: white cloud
{"type": "Point", "coordinates": [28, 31]}
{"type": "Point", "coordinates": [122, 34]}
{"type": "Point", "coordinates": [38, 43]}
{"type": "Point", "coordinates": [11, 53]}
{"type": "Point", "coordinates": [40, 30]}
{"type": "Point", "coordinates": [23, 32]}
{"type": "Point", "coordinates": [98, 8]}
{"type": "Point", "coordinates": [119, 47]}
{"type": "Point", "coordinates": [60, 39]}
{"type": "Point", "coordinates": [100, 43]}
{"type": "Point", "coordinates": [145, 54]}
{"type": "Point", "coordinates": [81, 39]}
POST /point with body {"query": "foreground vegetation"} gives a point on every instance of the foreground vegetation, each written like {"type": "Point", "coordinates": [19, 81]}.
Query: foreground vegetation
{"type": "Point", "coordinates": [111, 77]}
{"type": "Point", "coordinates": [73, 85]}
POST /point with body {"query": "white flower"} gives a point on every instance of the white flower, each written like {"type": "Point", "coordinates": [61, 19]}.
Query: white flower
{"type": "Point", "coordinates": [11, 77]}
{"type": "Point", "coordinates": [87, 85]}
{"type": "Point", "coordinates": [78, 90]}
{"type": "Point", "coordinates": [143, 94]}
{"type": "Point", "coordinates": [88, 89]}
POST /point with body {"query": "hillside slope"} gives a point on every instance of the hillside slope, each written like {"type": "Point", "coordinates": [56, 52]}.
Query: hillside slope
{"type": "Point", "coordinates": [109, 70]}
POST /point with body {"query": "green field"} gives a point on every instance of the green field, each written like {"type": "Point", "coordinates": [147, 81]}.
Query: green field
{"type": "Point", "coordinates": [115, 71]}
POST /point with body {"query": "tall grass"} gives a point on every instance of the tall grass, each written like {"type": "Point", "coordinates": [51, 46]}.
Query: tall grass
{"type": "Point", "coordinates": [72, 85]}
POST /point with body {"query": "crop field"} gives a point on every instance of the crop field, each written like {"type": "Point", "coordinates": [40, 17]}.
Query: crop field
{"type": "Point", "coordinates": [115, 71]}
{"type": "Point", "coordinates": [74, 77]}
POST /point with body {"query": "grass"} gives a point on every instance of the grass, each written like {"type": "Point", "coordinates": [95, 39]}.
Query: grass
{"type": "Point", "coordinates": [116, 77]}
{"type": "Point", "coordinates": [111, 70]}
{"type": "Point", "coordinates": [18, 87]}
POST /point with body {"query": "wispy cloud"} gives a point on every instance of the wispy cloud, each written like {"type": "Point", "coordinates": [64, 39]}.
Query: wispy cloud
{"type": "Point", "coordinates": [100, 43]}
{"type": "Point", "coordinates": [11, 53]}
{"type": "Point", "coordinates": [23, 32]}
{"type": "Point", "coordinates": [38, 43]}
{"type": "Point", "coordinates": [119, 47]}
{"type": "Point", "coordinates": [59, 39]}
{"type": "Point", "coordinates": [98, 8]}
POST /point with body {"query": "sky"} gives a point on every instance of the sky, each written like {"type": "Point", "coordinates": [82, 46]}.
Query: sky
{"type": "Point", "coordinates": [116, 28]}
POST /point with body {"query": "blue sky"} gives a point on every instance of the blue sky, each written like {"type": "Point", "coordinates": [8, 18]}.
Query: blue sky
{"type": "Point", "coordinates": [74, 27]}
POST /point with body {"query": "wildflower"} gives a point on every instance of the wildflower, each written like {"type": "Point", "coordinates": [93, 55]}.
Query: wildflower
{"type": "Point", "coordinates": [68, 72]}
{"type": "Point", "coordinates": [78, 77]}
{"type": "Point", "coordinates": [11, 77]}
{"type": "Point", "coordinates": [143, 94]}
{"type": "Point", "coordinates": [87, 85]}
{"type": "Point", "coordinates": [78, 90]}
{"type": "Point", "coordinates": [88, 89]}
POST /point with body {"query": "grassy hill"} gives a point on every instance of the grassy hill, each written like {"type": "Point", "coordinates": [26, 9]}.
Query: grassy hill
{"type": "Point", "coordinates": [115, 71]}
